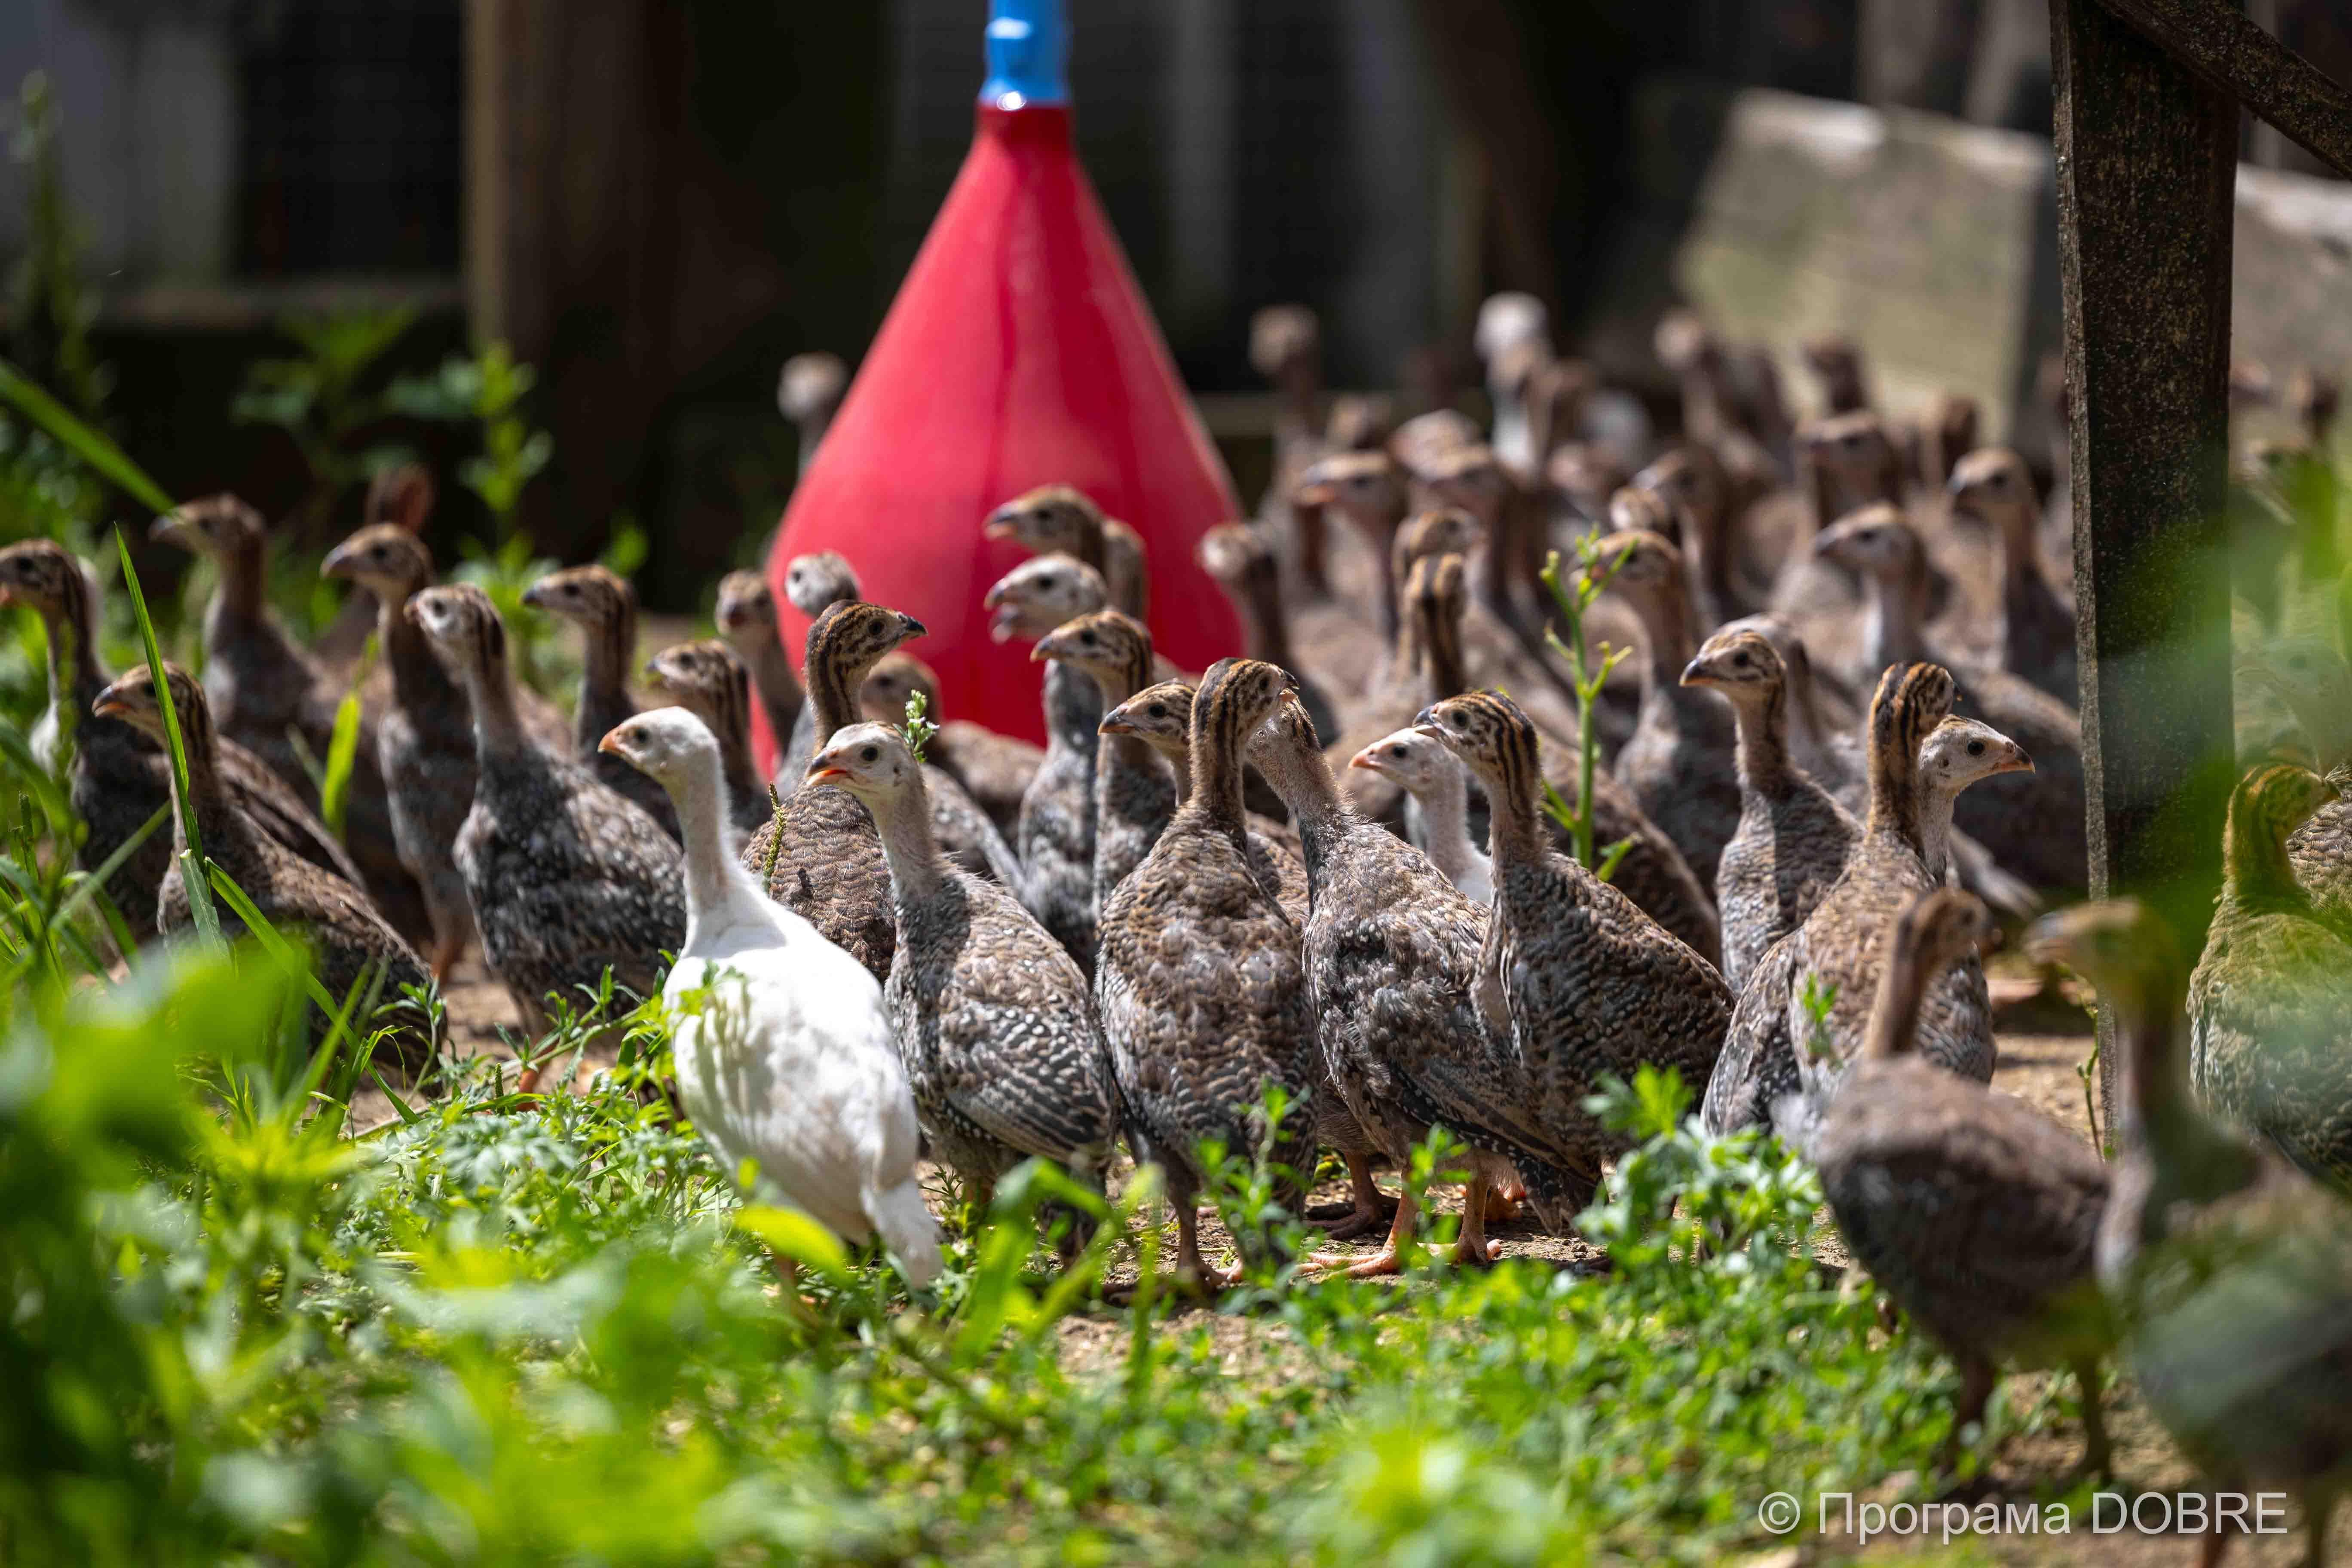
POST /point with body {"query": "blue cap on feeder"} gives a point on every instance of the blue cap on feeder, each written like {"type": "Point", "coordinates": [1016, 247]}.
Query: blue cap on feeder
{"type": "Point", "coordinates": [1028, 54]}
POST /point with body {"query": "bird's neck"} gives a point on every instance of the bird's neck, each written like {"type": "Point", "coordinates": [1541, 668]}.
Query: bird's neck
{"type": "Point", "coordinates": [490, 690]}
{"type": "Point", "coordinates": [1448, 674]}
{"type": "Point", "coordinates": [1516, 835]}
{"type": "Point", "coordinates": [1074, 709]}
{"type": "Point", "coordinates": [1305, 782]}
{"type": "Point", "coordinates": [2020, 527]}
{"type": "Point", "coordinates": [76, 677]}
{"type": "Point", "coordinates": [1265, 634]}
{"type": "Point", "coordinates": [1894, 1010]}
{"type": "Point", "coordinates": [2255, 870]}
{"type": "Point", "coordinates": [1664, 611]}
{"type": "Point", "coordinates": [715, 883]}
{"type": "Point", "coordinates": [831, 696]}
{"type": "Point", "coordinates": [1895, 632]}
{"type": "Point", "coordinates": [243, 591]}
{"type": "Point", "coordinates": [904, 822]}
{"type": "Point", "coordinates": [1762, 722]}
{"type": "Point", "coordinates": [771, 671]}
{"type": "Point", "coordinates": [1936, 830]}
{"type": "Point", "coordinates": [607, 647]}
{"type": "Point", "coordinates": [1895, 807]}
{"type": "Point", "coordinates": [416, 675]}
{"type": "Point", "coordinates": [1445, 823]}
{"type": "Point", "coordinates": [2156, 1112]}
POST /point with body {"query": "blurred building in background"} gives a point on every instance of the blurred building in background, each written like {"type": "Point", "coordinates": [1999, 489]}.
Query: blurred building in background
{"type": "Point", "coordinates": [656, 201]}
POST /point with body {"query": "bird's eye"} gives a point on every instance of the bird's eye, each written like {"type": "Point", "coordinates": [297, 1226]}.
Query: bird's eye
{"type": "Point", "coordinates": [1976, 747]}
{"type": "Point", "coordinates": [1088, 639]}
{"type": "Point", "coordinates": [1741, 660]}
{"type": "Point", "coordinates": [1159, 711]}
{"type": "Point", "coordinates": [870, 753]}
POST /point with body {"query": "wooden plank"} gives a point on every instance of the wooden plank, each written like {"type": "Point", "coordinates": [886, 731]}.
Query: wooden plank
{"type": "Point", "coordinates": [2225, 50]}
{"type": "Point", "coordinates": [2147, 159]}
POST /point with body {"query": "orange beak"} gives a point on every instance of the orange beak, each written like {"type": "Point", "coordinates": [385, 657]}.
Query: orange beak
{"type": "Point", "coordinates": [606, 743]}
{"type": "Point", "coordinates": [109, 708]}
{"type": "Point", "coordinates": [820, 774]}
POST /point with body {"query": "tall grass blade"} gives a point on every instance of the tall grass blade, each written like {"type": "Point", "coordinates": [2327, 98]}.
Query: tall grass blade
{"type": "Point", "coordinates": [272, 940]}
{"type": "Point", "coordinates": [192, 860]}
{"type": "Point", "coordinates": [90, 445]}
{"type": "Point", "coordinates": [343, 752]}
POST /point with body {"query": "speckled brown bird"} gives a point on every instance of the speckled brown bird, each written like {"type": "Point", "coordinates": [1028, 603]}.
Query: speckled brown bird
{"type": "Point", "coordinates": [118, 777]}
{"type": "Point", "coordinates": [1243, 562]}
{"type": "Point", "coordinates": [1589, 983]}
{"type": "Point", "coordinates": [993, 1018]}
{"type": "Point", "coordinates": [820, 856]}
{"type": "Point", "coordinates": [1775, 1047]}
{"type": "Point", "coordinates": [567, 877]}
{"type": "Point", "coordinates": [1198, 980]}
{"type": "Point", "coordinates": [2033, 823]}
{"type": "Point", "coordinates": [349, 940]}
{"type": "Point", "coordinates": [604, 605]}
{"type": "Point", "coordinates": [1681, 764]}
{"type": "Point", "coordinates": [1135, 792]}
{"type": "Point", "coordinates": [1792, 840]}
{"type": "Point", "coordinates": [708, 680]}
{"type": "Point", "coordinates": [1391, 952]}
{"type": "Point", "coordinates": [1056, 838]}
{"type": "Point", "coordinates": [266, 691]}
{"type": "Point", "coordinates": [1975, 1213]}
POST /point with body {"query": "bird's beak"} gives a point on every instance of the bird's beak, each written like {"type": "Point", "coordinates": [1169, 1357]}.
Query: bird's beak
{"type": "Point", "coordinates": [2016, 761]}
{"type": "Point", "coordinates": [1314, 492]}
{"type": "Point", "coordinates": [1363, 759]}
{"type": "Point", "coordinates": [109, 706]}
{"type": "Point", "coordinates": [1114, 725]}
{"type": "Point", "coordinates": [1695, 673]}
{"type": "Point", "coordinates": [173, 529]}
{"type": "Point", "coordinates": [823, 772]}
{"type": "Point", "coordinates": [1000, 524]}
{"type": "Point", "coordinates": [337, 562]}
{"type": "Point", "coordinates": [612, 742]}
{"type": "Point", "coordinates": [1825, 546]}
{"type": "Point", "coordinates": [912, 627]}
{"type": "Point", "coordinates": [534, 597]}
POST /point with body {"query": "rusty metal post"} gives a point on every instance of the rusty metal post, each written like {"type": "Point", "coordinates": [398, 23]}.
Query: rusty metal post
{"type": "Point", "coordinates": [2146, 162]}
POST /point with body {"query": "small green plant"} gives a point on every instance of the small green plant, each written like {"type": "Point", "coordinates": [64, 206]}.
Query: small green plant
{"type": "Point", "coordinates": [487, 390]}
{"type": "Point", "coordinates": [1573, 598]}
{"type": "Point", "coordinates": [918, 730]}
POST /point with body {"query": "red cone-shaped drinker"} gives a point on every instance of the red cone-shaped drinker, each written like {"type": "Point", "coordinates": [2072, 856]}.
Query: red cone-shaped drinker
{"type": "Point", "coordinates": [1019, 353]}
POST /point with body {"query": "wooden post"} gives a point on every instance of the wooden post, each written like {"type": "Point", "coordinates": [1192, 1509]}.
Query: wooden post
{"type": "Point", "coordinates": [2147, 160]}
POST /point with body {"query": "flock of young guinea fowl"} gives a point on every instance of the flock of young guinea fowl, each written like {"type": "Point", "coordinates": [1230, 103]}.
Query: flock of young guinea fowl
{"type": "Point", "coordinates": [1326, 865]}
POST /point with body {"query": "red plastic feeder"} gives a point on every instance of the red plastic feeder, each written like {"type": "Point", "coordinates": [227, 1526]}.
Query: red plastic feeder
{"type": "Point", "coordinates": [1018, 353]}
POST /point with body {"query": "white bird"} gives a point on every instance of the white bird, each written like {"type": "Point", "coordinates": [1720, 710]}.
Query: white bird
{"type": "Point", "coordinates": [784, 1051]}
{"type": "Point", "coordinates": [1439, 819]}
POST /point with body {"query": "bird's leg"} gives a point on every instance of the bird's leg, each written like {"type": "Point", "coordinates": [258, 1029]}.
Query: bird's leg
{"type": "Point", "coordinates": [1366, 1215]}
{"type": "Point", "coordinates": [444, 958]}
{"type": "Point", "coordinates": [1977, 1379]}
{"type": "Point", "coordinates": [1506, 1198]}
{"type": "Point", "coordinates": [1385, 1261]}
{"type": "Point", "coordinates": [1471, 1249]}
{"type": "Point", "coordinates": [2098, 1461]}
{"type": "Point", "coordinates": [1191, 1271]}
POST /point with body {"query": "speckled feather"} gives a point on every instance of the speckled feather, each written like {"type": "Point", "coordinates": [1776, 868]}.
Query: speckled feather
{"type": "Point", "coordinates": [566, 877]}
{"type": "Point", "coordinates": [2270, 1001]}
{"type": "Point", "coordinates": [604, 606]}
{"type": "Point", "coordinates": [1200, 983]}
{"type": "Point", "coordinates": [345, 932]}
{"type": "Point", "coordinates": [829, 868]}
{"type": "Point", "coordinates": [1589, 983]}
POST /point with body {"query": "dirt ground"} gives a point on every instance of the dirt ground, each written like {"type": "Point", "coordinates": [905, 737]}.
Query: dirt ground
{"type": "Point", "coordinates": [2045, 1042]}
